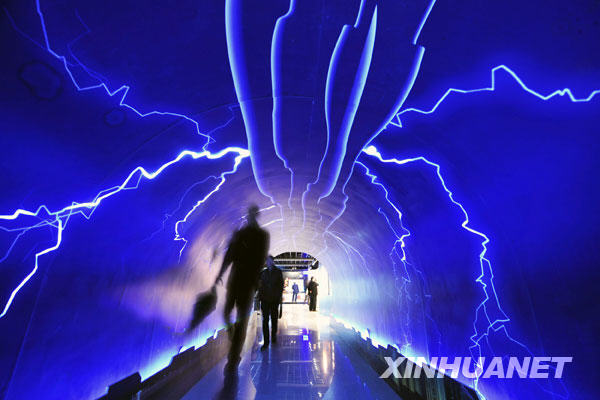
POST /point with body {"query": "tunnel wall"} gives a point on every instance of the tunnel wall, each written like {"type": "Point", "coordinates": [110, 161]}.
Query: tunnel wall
{"type": "Point", "coordinates": [405, 266]}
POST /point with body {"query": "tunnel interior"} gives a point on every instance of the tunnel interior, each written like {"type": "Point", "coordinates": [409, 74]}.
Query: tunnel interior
{"type": "Point", "coordinates": [425, 156]}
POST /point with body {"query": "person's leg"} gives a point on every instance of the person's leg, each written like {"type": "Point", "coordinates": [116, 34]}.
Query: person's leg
{"type": "Point", "coordinates": [243, 303]}
{"type": "Point", "coordinates": [237, 342]}
{"type": "Point", "coordinates": [266, 312]}
{"type": "Point", "coordinates": [274, 318]}
{"type": "Point", "coordinates": [229, 303]}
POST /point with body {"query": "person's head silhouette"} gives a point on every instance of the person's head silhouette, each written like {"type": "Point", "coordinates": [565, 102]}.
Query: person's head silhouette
{"type": "Point", "coordinates": [270, 262]}
{"type": "Point", "coordinates": [253, 212]}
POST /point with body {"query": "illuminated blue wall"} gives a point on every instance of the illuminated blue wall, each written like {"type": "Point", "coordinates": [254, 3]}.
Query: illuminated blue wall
{"type": "Point", "coordinates": [451, 222]}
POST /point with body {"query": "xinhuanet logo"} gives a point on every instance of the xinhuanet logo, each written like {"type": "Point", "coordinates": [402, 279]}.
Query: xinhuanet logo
{"type": "Point", "coordinates": [480, 368]}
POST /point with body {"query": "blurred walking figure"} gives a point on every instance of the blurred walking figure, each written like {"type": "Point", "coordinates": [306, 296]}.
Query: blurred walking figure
{"type": "Point", "coordinates": [246, 253]}
{"type": "Point", "coordinates": [295, 291]}
{"type": "Point", "coordinates": [312, 294]}
{"type": "Point", "coordinates": [270, 291]}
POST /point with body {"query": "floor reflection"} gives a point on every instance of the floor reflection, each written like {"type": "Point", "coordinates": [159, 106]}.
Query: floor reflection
{"type": "Point", "coordinates": [305, 364]}
{"type": "Point", "coordinates": [300, 366]}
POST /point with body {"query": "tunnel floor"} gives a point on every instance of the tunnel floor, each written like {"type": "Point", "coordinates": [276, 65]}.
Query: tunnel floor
{"type": "Point", "coordinates": [306, 363]}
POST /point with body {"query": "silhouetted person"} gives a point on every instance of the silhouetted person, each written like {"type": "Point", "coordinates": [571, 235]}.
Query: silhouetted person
{"type": "Point", "coordinates": [270, 290]}
{"type": "Point", "coordinates": [312, 294]}
{"type": "Point", "coordinates": [295, 291]}
{"type": "Point", "coordinates": [246, 252]}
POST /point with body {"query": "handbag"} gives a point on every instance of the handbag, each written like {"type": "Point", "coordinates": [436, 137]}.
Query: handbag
{"type": "Point", "coordinates": [206, 303]}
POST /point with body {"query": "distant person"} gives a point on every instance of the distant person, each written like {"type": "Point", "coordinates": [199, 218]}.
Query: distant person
{"type": "Point", "coordinates": [270, 291]}
{"type": "Point", "coordinates": [313, 291]}
{"type": "Point", "coordinates": [246, 252]}
{"type": "Point", "coordinates": [295, 291]}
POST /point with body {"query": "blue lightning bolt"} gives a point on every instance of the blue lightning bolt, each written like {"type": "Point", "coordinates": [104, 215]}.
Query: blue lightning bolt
{"type": "Point", "coordinates": [400, 238]}
{"type": "Point", "coordinates": [238, 159]}
{"type": "Point", "coordinates": [123, 89]}
{"type": "Point", "coordinates": [179, 205]}
{"type": "Point", "coordinates": [484, 262]}
{"type": "Point", "coordinates": [271, 222]}
{"type": "Point", "coordinates": [400, 242]}
{"type": "Point", "coordinates": [60, 218]}
{"type": "Point", "coordinates": [374, 152]}
{"type": "Point", "coordinates": [498, 324]}
{"type": "Point", "coordinates": [559, 92]}
{"type": "Point", "coordinates": [371, 150]}
{"type": "Point", "coordinates": [338, 236]}
{"type": "Point", "coordinates": [59, 226]}
{"type": "Point", "coordinates": [169, 215]}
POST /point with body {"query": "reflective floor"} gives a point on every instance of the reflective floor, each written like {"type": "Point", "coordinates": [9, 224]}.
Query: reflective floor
{"type": "Point", "coordinates": [306, 363]}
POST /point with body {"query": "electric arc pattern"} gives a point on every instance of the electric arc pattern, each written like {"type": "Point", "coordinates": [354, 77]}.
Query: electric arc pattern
{"type": "Point", "coordinates": [136, 137]}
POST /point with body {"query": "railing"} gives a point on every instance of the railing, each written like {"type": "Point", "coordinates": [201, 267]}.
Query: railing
{"type": "Point", "coordinates": [184, 371]}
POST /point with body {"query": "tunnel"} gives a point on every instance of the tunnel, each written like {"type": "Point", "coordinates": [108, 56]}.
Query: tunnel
{"type": "Point", "coordinates": [430, 164]}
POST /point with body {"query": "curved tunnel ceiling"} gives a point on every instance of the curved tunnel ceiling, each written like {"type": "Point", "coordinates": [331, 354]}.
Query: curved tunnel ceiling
{"type": "Point", "coordinates": [419, 150]}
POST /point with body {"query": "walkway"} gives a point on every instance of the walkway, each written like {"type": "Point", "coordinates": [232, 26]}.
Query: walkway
{"type": "Point", "coordinates": [306, 363]}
